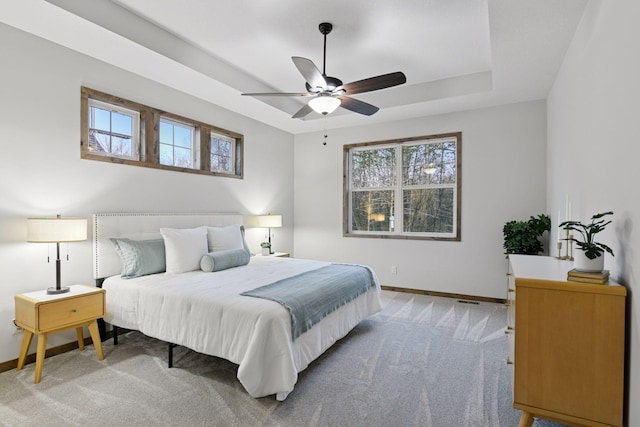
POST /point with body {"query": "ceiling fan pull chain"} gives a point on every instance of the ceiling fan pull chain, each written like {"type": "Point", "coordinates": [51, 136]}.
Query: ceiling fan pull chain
{"type": "Point", "coordinates": [324, 122]}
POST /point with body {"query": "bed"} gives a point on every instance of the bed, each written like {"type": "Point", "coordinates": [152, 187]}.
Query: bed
{"type": "Point", "coordinates": [205, 311]}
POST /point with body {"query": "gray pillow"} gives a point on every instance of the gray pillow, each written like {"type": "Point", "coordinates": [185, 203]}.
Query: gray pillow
{"type": "Point", "coordinates": [221, 260]}
{"type": "Point", "coordinates": [140, 257]}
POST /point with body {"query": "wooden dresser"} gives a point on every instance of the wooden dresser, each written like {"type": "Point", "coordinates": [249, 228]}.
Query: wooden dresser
{"type": "Point", "coordinates": [567, 344]}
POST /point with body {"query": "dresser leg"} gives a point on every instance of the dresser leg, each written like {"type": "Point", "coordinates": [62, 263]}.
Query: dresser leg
{"type": "Point", "coordinates": [526, 420]}
{"type": "Point", "coordinates": [24, 348]}
{"type": "Point", "coordinates": [42, 349]}
{"type": "Point", "coordinates": [95, 337]}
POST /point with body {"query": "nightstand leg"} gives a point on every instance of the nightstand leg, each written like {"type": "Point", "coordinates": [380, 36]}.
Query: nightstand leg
{"type": "Point", "coordinates": [24, 348]}
{"type": "Point", "coordinates": [80, 338]}
{"type": "Point", "coordinates": [42, 349]}
{"type": "Point", "coordinates": [526, 420]}
{"type": "Point", "coordinates": [95, 337]}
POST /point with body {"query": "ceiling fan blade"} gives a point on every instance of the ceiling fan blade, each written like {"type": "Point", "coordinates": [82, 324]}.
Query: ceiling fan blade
{"type": "Point", "coordinates": [302, 112]}
{"type": "Point", "coordinates": [277, 94]}
{"type": "Point", "coordinates": [375, 83]}
{"type": "Point", "coordinates": [310, 72]}
{"type": "Point", "coordinates": [357, 106]}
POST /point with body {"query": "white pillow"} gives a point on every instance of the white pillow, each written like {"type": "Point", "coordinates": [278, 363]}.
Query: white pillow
{"type": "Point", "coordinates": [225, 238]}
{"type": "Point", "coordinates": [184, 248]}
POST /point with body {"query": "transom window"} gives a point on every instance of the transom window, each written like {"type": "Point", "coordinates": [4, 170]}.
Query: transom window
{"type": "Point", "coordinates": [406, 188]}
{"type": "Point", "coordinates": [117, 130]}
{"type": "Point", "coordinates": [113, 130]}
{"type": "Point", "coordinates": [222, 155]}
{"type": "Point", "coordinates": [177, 144]}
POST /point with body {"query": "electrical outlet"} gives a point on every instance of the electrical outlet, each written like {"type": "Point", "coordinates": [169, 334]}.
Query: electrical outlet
{"type": "Point", "coordinates": [394, 269]}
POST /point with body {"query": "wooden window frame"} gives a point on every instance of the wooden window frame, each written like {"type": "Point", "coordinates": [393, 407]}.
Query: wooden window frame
{"type": "Point", "coordinates": [149, 128]}
{"type": "Point", "coordinates": [399, 234]}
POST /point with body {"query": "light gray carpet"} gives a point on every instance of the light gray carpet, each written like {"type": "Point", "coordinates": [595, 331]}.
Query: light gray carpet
{"type": "Point", "coordinates": [423, 361]}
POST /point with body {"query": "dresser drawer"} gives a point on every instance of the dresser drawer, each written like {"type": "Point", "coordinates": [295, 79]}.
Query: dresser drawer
{"type": "Point", "coordinates": [70, 311]}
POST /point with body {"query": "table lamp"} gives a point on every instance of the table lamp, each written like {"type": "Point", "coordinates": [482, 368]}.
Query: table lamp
{"type": "Point", "coordinates": [268, 221]}
{"type": "Point", "coordinates": [56, 230]}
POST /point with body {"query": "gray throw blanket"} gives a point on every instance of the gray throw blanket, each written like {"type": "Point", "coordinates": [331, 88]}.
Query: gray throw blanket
{"type": "Point", "coordinates": [310, 296]}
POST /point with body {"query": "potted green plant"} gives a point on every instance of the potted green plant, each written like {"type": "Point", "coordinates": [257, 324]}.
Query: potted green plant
{"type": "Point", "coordinates": [524, 237]}
{"type": "Point", "coordinates": [589, 257]}
{"type": "Point", "coordinates": [266, 248]}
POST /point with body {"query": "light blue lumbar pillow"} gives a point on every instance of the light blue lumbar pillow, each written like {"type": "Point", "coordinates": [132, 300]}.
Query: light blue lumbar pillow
{"type": "Point", "coordinates": [221, 260]}
{"type": "Point", "coordinates": [140, 257]}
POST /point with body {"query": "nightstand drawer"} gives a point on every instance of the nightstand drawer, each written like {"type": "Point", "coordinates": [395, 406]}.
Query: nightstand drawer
{"type": "Point", "coordinates": [70, 311]}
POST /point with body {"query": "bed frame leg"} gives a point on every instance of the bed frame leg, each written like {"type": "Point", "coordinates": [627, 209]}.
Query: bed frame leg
{"type": "Point", "coordinates": [171, 345]}
{"type": "Point", "coordinates": [102, 330]}
{"type": "Point", "coordinates": [115, 335]}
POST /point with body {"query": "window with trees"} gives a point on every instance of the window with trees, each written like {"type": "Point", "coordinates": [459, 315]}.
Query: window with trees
{"type": "Point", "coordinates": [117, 130]}
{"type": "Point", "coordinates": [222, 153]}
{"type": "Point", "coordinates": [407, 188]}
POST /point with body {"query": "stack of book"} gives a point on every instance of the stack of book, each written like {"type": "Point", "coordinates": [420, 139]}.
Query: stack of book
{"type": "Point", "coordinates": [585, 277]}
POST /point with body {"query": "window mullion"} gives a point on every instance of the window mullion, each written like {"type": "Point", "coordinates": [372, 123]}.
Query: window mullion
{"type": "Point", "coordinates": [205, 148]}
{"type": "Point", "coordinates": [349, 161]}
{"type": "Point", "coordinates": [399, 209]}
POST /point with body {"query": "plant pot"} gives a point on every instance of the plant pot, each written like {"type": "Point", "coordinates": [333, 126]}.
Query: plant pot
{"type": "Point", "coordinates": [582, 263]}
{"type": "Point", "coordinates": [265, 251]}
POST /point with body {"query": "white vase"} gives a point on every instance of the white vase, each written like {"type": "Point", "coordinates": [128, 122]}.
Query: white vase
{"type": "Point", "coordinates": [582, 263]}
{"type": "Point", "coordinates": [265, 251]}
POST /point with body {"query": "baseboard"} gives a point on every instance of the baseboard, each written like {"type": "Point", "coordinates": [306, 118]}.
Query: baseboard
{"type": "Point", "coordinates": [443, 294]}
{"type": "Point", "coordinates": [53, 351]}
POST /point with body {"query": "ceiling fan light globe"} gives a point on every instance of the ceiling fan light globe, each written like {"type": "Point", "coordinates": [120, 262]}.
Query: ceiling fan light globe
{"type": "Point", "coordinates": [324, 104]}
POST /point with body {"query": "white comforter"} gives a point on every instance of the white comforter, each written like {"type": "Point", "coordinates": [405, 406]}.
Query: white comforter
{"type": "Point", "coordinates": [204, 311]}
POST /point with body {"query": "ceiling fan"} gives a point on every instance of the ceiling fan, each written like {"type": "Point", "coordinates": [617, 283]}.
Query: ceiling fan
{"type": "Point", "coordinates": [329, 93]}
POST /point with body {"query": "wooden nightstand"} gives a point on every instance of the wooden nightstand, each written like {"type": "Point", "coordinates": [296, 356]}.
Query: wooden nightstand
{"type": "Point", "coordinates": [42, 314]}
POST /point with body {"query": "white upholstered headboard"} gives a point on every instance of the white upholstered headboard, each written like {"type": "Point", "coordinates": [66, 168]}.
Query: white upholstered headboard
{"type": "Point", "coordinates": [142, 226]}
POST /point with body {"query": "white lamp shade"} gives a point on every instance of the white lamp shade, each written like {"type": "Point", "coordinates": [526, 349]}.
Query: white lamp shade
{"type": "Point", "coordinates": [268, 221]}
{"type": "Point", "coordinates": [51, 230]}
{"type": "Point", "coordinates": [324, 104]}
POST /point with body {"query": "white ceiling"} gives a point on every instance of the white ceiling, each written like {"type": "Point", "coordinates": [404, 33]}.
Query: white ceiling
{"type": "Point", "coordinates": [456, 54]}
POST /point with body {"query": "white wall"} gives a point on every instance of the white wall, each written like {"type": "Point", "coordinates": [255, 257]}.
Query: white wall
{"type": "Point", "coordinates": [503, 178]}
{"type": "Point", "coordinates": [41, 172]}
{"type": "Point", "coordinates": [594, 147]}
